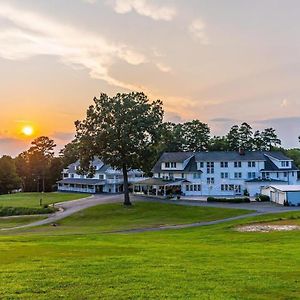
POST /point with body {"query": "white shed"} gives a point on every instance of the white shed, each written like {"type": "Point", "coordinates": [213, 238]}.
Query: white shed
{"type": "Point", "coordinates": [283, 194]}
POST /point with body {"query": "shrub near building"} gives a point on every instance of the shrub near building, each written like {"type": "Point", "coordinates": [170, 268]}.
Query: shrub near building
{"type": "Point", "coordinates": [229, 200]}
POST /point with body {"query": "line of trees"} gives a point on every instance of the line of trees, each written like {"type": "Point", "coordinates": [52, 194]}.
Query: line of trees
{"type": "Point", "coordinates": [126, 131]}
{"type": "Point", "coordinates": [195, 136]}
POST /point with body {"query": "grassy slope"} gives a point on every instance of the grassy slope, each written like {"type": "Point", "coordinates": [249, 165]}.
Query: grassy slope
{"type": "Point", "coordinates": [113, 217]}
{"type": "Point", "coordinates": [212, 262]}
{"type": "Point", "coordinates": [33, 199]}
{"type": "Point", "coordinates": [18, 221]}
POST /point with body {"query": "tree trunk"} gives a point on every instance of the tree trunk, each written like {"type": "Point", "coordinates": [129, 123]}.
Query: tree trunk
{"type": "Point", "coordinates": [126, 189]}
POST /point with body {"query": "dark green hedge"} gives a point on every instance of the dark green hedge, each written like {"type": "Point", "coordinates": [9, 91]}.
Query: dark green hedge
{"type": "Point", "coordinates": [262, 198]}
{"type": "Point", "coordinates": [229, 200]}
{"type": "Point", "coordinates": [17, 211]}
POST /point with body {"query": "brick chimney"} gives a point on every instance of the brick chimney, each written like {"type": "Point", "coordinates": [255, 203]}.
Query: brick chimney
{"type": "Point", "coordinates": [241, 151]}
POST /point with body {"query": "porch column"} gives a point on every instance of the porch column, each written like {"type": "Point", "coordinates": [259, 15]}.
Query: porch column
{"type": "Point", "coordinates": [164, 191]}
{"type": "Point", "coordinates": [156, 190]}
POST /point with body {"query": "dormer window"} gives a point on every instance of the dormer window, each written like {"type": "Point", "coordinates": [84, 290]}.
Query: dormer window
{"type": "Point", "coordinates": [285, 164]}
{"type": "Point", "coordinates": [171, 165]}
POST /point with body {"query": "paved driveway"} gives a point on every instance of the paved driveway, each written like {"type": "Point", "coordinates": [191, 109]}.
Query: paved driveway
{"type": "Point", "coordinates": [70, 207]}
{"type": "Point", "coordinates": [262, 207]}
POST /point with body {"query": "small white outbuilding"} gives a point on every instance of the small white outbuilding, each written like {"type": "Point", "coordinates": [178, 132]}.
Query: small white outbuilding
{"type": "Point", "coordinates": [282, 194]}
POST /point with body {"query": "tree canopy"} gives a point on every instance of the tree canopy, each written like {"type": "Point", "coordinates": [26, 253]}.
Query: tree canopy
{"type": "Point", "coordinates": [119, 130]}
{"type": "Point", "coordinates": [9, 179]}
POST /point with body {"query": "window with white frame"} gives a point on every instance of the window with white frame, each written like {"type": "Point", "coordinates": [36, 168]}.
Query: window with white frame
{"type": "Point", "coordinates": [285, 164]}
{"type": "Point", "coordinates": [224, 175]}
{"type": "Point", "coordinates": [201, 164]}
{"type": "Point", "coordinates": [251, 175]}
{"type": "Point", "coordinates": [237, 164]}
{"type": "Point", "coordinates": [171, 165]}
{"type": "Point", "coordinates": [237, 175]}
{"type": "Point", "coordinates": [224, 164]}
{"type": "Point", "coordinates": [251, 164]}
{"type": "Point", "coordinates": [193, 187]}
{"type": "Point", "coordinates": [210, 167]}
{"type": "Point", "coordinates": [210, 180]}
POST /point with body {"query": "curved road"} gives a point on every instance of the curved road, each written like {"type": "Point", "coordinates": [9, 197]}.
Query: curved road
{"type": "Point", "coordinates": [70, 207]}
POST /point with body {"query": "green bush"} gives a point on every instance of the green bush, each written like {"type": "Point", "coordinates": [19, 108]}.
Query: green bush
{"type": "Point", "coordinates": [246, 193]}
{"type": "Point", "coordinates": [262, 198]}
{"type": "Point", "coordinates": [17, 211]}
{"type": "Point", "coordinates": [229, 200]}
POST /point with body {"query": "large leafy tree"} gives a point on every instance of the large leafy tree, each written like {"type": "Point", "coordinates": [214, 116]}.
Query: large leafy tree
{"type": "Point", "coordinates": [196, 136]}
{"type": "Point", "coordinates": [119, 130]}
{"type": "Point", "coordinates": [218, 143]}
{"type": "Point", "coordinates": [9, 179]}
{"type": "Point", "coordinates": [69, 154]}
{"type": "Point", "coordinates": [33, 165]}
{"type": "Point", "coordinates": [171, 138]}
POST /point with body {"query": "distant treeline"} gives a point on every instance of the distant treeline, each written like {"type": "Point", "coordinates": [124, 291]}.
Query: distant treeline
{"type": "Point", "coordinates": [37, 169]}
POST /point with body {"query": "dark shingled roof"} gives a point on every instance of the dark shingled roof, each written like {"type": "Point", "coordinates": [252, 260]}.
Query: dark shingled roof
{"type": "Point", "coordinates": [221, 156]}
{"type": "Point", "coordinates": [87, 181]}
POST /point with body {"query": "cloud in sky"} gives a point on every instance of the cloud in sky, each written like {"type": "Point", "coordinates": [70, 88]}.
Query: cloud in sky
{"type": "Point", "coordinates": [163, 67]}
{"type": "Point", "coordinates": [145, 8]}
{"type": "Point", "coordinates": [198, 30]}
{"type": "Point", "coordinates": [32, 34]}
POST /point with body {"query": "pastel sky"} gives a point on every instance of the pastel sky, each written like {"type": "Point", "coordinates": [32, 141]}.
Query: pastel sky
{"type": "Point", "coordinates": [221, 61]}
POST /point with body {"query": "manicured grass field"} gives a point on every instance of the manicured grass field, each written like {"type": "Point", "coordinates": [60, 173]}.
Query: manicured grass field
{"type": "Point", "coordinates": [114, 217]}
{"type": "Point", "coordinates": [17, 221]}
{"type": "Point", "coordinates": [212, 262]}
{"type": "Point", "coordinates": [33, 199]}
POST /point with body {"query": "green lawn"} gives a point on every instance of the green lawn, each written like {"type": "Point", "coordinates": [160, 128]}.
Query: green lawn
{"type": "Point", "coordinates": [212, 262]}
{"type": "Point", "coordinates": [18, 221]}
{"type": "Point", "coordinates": [113, 217]}
{"type": "Point", "coordinates": [33, 199]}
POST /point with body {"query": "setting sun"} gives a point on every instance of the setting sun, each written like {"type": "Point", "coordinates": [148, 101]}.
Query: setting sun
{"type": "Point", "coordinates": [27, 130]}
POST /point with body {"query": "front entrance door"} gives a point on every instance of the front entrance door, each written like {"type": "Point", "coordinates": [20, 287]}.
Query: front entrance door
{"type": "Point", "coordinates": [99, 189]}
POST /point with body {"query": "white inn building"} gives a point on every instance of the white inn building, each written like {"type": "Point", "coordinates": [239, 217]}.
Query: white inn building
{"type": "Point", "coordinates": [105, 180]}
{"type": "Point", "coordinates": [220, 173]}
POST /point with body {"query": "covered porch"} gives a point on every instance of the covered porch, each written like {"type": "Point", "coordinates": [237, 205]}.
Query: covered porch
{"type": "Point", "coordinates": [159, 187]}
{"type": "Point", "coordinates": [81, 185]}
